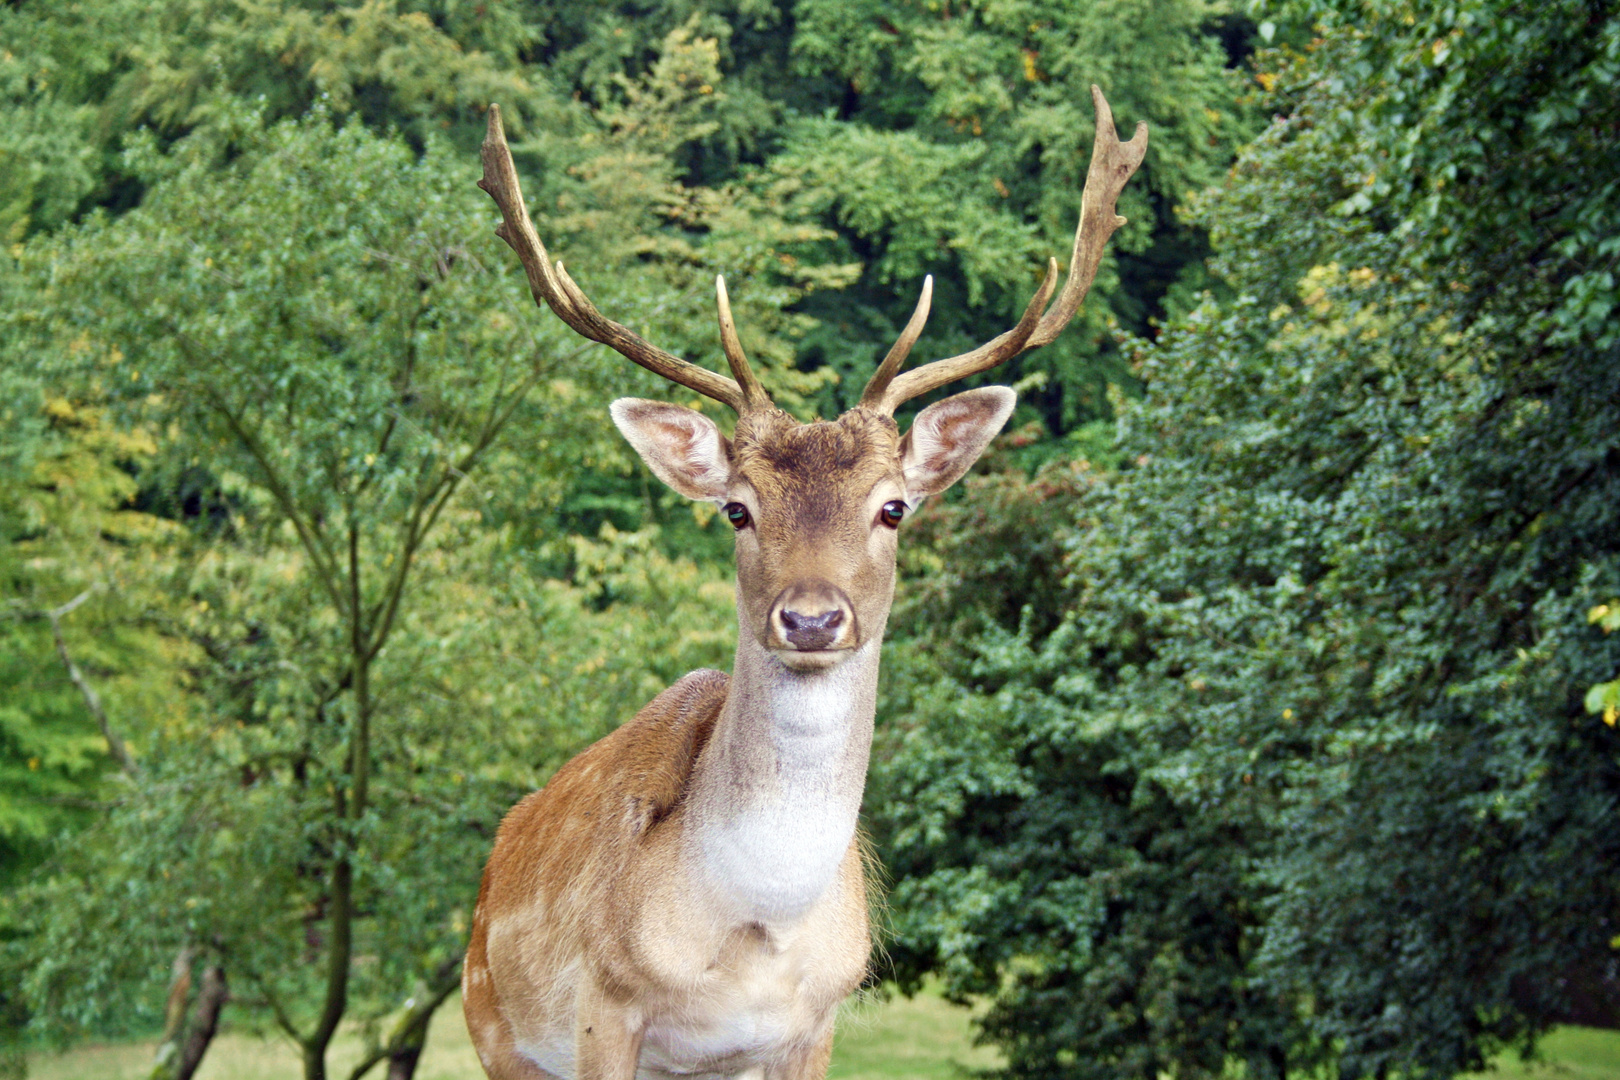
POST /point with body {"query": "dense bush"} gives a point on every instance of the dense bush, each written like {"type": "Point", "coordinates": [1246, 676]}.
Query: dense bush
{"type": "Point", "coordinates": [1302, 772]}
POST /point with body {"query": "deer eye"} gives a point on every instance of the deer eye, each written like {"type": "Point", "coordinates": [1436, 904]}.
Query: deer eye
{"type": "Point", "coordinates": [737, 514]}
{"type": "Point", "coordinates": [892, 512]}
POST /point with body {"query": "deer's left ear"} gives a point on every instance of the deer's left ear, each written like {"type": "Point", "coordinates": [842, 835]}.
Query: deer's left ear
{"type": "Point", "coordinates": [948, 437]}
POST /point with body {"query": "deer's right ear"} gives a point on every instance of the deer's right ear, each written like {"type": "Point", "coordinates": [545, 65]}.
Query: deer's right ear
{"type": "Point", "coordinates": [681, 446]}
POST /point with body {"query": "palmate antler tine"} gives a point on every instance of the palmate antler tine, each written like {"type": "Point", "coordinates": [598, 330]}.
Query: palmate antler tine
{"type": "Point", "coordinates": [878, 385]}
{"type": "Point", "coordinates": [1112, 164]}
{"type": "Point", "coordinates": [555, 289]}
{"type": "Point", "coordinates": [754, 395]}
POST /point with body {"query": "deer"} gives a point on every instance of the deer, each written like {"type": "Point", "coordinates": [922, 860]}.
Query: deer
{"type": "Point", "coordinates": [687, 897]}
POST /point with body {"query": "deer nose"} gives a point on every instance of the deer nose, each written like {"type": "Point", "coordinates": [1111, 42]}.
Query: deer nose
{"type": "Point", "coordinates": [812, 616]}
{"type": "Point", "coordinates": [812, 631]}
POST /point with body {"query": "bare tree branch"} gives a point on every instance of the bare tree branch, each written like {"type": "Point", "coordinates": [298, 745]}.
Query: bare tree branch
{"type": "Point", "coordinates": [92, 700]}
{"type": "Point", "coordinates": [411, 1028]}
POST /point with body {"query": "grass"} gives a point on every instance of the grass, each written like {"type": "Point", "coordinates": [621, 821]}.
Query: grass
{"type": "Point", "coordinates": [1567, 1053]}
{"type": "Point", "coordinates": [921, 1038]}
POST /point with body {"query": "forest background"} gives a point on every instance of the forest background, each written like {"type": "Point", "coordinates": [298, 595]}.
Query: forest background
{"type": "Point", "coordinates": [1251, 707]}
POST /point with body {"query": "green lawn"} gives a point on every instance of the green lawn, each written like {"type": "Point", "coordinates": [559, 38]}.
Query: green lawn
{"type": "Point", "coordinates": [922, 1038]}
{"type": "Point", "coordinates": [1569, 1053]}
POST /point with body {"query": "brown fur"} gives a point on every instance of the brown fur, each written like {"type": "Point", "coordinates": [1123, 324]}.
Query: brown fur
{"type": "Point", "coordinates": [811, 480]}
{"type": "Point", "coordinates": [672, 891]}
{"type": "Point", "coordinates": [582, 828]}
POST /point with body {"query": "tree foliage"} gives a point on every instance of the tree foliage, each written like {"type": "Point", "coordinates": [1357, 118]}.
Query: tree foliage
{"type": "Point", "coordinates": [972, 129]}
{"type": "Point", "coordinates": [1257, 724]}
{"type": "Point", "coordinates": [1288, 763]}
{"type": "Point", "coordinates": [346, 374]}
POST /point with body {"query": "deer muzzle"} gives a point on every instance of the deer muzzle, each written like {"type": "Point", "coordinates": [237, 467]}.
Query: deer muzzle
{"type": "Point", "coordinates": [812, 616]}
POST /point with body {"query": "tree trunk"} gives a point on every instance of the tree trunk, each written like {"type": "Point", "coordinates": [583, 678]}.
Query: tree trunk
{"type": "Point", "coordinates": [403, 1048]}
{"type": "Point", "coordinates": [350, 810]}
{"type": "Point", "coordinates": [339, 945]}
{"type": "Point", "coordinates": [189, 1026]}
{"type": "Point", "coordinates": [211, 999]}
{"type": "Point", "coordinates": [406, 1050]}
{"type": "Point", "coordinates": [402, 1062]}
{"type": "Point", "coordinates": [175, 1010]}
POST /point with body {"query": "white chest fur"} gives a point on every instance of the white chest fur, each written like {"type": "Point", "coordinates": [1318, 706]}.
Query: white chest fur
{"type": "Point", "coordinates": [747, 948]}
{"type": "Point", "coordinates": [771, 841]}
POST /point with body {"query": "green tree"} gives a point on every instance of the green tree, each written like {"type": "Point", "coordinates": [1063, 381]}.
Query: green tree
{"type": "Point", "coordinates": [329, 329]}
{"type": "Point", "coordinates": [957, 143]}
{"type": "Point", "coordinates": [73, 556]}
{"type": "Point", "coordinates": [318, 324]}
{"type": "Point", "coordinates": [943, 138]}
{"type": "Point", "coordinates": [1046, 851]}
{"type": "Point", "coordinates": [1295, 739]}
{"type": "Point", "coordinates": [73, 546]}
{"type": "Point", "coordinates": [76, 80]}
{"type": "Point", "coordinates": [949, 138]}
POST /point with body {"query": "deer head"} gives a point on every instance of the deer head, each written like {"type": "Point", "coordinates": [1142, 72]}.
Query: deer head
{"type": "Point", "coordinates": [816, 506]}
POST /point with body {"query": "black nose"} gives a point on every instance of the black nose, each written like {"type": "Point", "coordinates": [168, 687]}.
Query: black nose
{"type": "Point", "coordinates": [811, 631]}
{"type": "Point", "coordinates": [812, 615]}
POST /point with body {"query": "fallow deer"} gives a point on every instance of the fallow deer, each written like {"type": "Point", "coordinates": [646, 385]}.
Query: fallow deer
{"type": "Point", "coordinates": [686, 897]}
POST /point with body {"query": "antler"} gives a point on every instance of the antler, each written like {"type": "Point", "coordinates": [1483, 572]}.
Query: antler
{"type": "Point", "coordinates": [1112, 164]}
{"type": "Point", "coordinates": [553, 287]}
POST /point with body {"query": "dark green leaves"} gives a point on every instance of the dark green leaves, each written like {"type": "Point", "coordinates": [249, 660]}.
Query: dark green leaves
{"type": "Point", "coordinates": [1290, 757]}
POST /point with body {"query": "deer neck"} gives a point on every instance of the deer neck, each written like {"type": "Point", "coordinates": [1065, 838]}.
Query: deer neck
{"type": "Point", "coordinates": [777, 790]}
